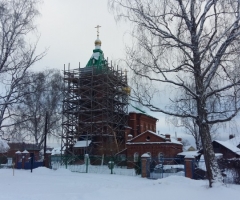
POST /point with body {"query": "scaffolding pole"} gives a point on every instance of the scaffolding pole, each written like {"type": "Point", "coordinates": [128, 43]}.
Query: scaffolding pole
{"type": "Point", "coordinates": [95, 108]}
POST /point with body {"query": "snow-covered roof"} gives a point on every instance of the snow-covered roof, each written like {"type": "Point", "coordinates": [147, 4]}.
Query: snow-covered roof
{"type": "Point", "coordinates": [235, 141]}
{"type": "Point", "coordinates": [3, 146]}
{"type": "Point", "coordinates": [25, 151]}
{"type": "Point", "coordinates": [189, 156]}
{"type": "Point", "coordinates": [145, 155]}
{"type": "Point", "coordinates": [149, 142]}
{"type": "Point", "coordinates": [189, 153]}
{"type": "Point", "coordinates": [172, 140]}
{"type": "Point", "coordinates": [95, 55]}
{"type": "Point", "coordinates": [229, 146]}
{"type": "Point", "coordinates": [186, 148]}
{"type": "Point", "coordinates": [83, 143]}
{"type": "Point", "coordinates": [149, 132]}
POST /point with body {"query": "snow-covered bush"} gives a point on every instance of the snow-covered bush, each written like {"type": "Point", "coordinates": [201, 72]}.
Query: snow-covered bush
{"type": "Point", "coordinates": [3, 146]}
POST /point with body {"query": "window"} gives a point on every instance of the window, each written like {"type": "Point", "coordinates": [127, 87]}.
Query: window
{"type": "Point", "coordinates": [148, 138]}
{"type": "Point", "coordinates": [135, 157]}
{"type": "Point", "coordinates": [160, 156]}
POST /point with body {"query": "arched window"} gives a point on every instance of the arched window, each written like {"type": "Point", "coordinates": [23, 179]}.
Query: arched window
{"type": "Point", "coordinates": [148, 138]}
{"type": "Point", "coordinates": [160, 156]}
{"type": "Point", "coordinates": [135, 157]}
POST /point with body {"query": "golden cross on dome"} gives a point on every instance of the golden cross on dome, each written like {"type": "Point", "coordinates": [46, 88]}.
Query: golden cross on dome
{"type": "Point", "coordinates": [97, 27]}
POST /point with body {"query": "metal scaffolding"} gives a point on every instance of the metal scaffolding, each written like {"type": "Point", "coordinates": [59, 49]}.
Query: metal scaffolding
{"type": "Point", "coordinates": [95, 108]}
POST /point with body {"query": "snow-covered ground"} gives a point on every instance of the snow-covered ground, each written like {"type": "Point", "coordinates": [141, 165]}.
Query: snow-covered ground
{"type": "Point", "coordinates": [46, 184]}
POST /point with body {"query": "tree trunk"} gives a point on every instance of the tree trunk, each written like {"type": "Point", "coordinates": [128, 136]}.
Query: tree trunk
{"type": "Point", "coordinates": [212, 168]}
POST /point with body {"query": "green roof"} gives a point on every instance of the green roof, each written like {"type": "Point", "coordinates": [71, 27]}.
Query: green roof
{"type": "Point", "coordinates": [97, 60]}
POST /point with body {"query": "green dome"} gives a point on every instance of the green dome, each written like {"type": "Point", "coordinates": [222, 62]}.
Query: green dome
{"type": "Point", "coordinates": [97, 59]}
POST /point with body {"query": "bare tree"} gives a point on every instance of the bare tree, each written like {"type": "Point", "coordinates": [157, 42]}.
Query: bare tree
{"type": "Point", "coordinates": [16, 55]}
{"type": "Point", "coordinates": [185, 142]}
{"type": "Point", "coordinates": [43, 95]}
{"type": "Point", "coordinates": [176, 43]}
{"type": "Point", "coordinates": [190, 124]}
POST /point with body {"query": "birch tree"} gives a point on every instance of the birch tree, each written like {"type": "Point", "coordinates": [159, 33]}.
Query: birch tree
{"type": "Point", "coordinates": [42, 95]}
{"type": "Point", "coordinates": [190, 125]}
{"type": "Point", "coordinates": [176, 43]}
{"type": "Point", "coordinates": [16, 54]}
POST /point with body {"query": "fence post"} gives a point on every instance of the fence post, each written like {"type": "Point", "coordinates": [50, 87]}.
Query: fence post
{"type": "Point", "coordinates": [145, 163]}
{"type": "Point", "coordinates": [189, 166]}
{"type": "Point", "coordinates": [66, 159]}
{"type": "Point", "coordinates": [47, 158]}
{"type": "Point", "coordinates": [86, 162]}
{"type": "Point", "coordinates": [18, 157]}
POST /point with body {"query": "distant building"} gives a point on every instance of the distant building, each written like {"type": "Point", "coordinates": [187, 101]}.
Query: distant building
{"type": "Point", "coordinates": [21, 147]}
{"type": "Point", "coordinates": [234, 140]}
{"type": "Point", "coordinates": [188, 148]}
{"type": "Point", "coordinates": [140, 122]}
{"type": "Point", "coordinates": [227, 149]}
{"type": "Point", "coordinates": [153, 144]}
{"type": "Point", "coordinates": [96, 118]}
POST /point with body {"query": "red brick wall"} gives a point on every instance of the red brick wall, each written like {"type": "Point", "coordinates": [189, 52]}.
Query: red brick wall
{"type": "Point", "coordinates": [140, 122]}
{"type": "Point", "coordinates": [168, 149]}
{"type": "Point", "coordinates": [189, 167]}
{"type": "Point", "coordinates": [148, 137]}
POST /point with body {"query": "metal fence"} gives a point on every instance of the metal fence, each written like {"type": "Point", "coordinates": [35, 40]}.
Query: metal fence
{"type": "Point", "coordinates": [97, 164]}
{"type": "Point", "coordinates": [230, 169]}
{"type": "Point", "coordinates": [162, 167]}
{"type": "Point", "coordinates": [6, 162]}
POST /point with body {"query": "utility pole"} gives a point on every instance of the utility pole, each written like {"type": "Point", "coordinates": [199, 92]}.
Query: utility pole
{"type": "Point", "coordinates": [45, 139]}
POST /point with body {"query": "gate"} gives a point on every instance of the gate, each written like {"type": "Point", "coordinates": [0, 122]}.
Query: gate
{"type": "Point", "coordinates": [162, 167]}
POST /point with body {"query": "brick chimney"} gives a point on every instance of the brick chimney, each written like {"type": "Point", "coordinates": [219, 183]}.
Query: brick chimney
{"type": "Point", "coordinates": [179, 139]}
{"type": "Point", "coordinates": [231, 136]}
{"type": "Point", "coordinates": [167, 137]}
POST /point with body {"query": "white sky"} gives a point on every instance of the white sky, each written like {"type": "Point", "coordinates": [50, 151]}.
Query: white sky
{"type": "Point", "coordinates": [67, 29]}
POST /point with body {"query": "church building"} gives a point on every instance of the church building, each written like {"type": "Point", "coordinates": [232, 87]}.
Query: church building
{"type": "Point", "coordinates": [96, 118]}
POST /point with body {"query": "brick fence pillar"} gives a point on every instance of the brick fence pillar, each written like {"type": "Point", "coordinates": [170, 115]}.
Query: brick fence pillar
{"type": "Point", "coordinates": [18, 158]}
{"type": "Point", "coordinates": [48, 159]}
{"type": "Point", "coordinates": [25, 156]}
{"type": "Point", "coordinates": [145, 165]}
{"type": "Point", "coordinates": [189, 166]}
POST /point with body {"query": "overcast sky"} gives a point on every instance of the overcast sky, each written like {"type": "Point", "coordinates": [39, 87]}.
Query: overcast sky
{"type": "Point", "coordinates": [67, 29]}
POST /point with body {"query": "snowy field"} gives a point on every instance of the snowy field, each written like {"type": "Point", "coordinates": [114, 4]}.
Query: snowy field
{"type": "Point", "coordinates": [46, 184]}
